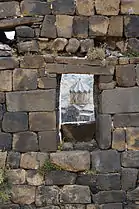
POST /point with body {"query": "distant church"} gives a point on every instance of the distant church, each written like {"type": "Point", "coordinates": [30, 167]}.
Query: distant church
{"type": "Point", "coordinates": [80, 108]}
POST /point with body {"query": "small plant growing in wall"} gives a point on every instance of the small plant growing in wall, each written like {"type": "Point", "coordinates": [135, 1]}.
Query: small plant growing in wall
{"type": "Point", "coordinates": [4, 186]}
{"type": "Point", "coordinates": [96, 53]}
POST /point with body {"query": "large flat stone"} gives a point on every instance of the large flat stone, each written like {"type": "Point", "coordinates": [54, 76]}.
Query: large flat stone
{"type": "Point", "coordinates": [9, 9]}
{"type": "Point", "coordinates": [80, 27]}
{"type": "Point", "coordinates": [75, 194]}
{"type": "Point", "coordinates": [120, 100]}
{"type": "Point", "coordinates": [72, 161]}
{"type": "Point", "coordinates": [112, 206]}
{"type": "Point", "coordinates": [48, 29]}
{"type": "Point", "coordinates": [106, 161]}
{"type": "Point", "coordinates": [132, 138]}
{"type": "Point", "coordinates": [98, 25]}
{"type": "Point", "coordinates": [82, 69]}
{"type": "Point", "coordinates": [129, 178]}
{"type": "Point", "coordinates": [64, 25]}
{"type": "Point", "coordinates": [109, 7]}
{"type": "Point", "coordinates": [133, 195]}
{"type": "Point", "coordinates": [42, 100]}
{"type": "Point", "coordinates": [6, 80]}
{"type": "Point", "coordinates": [34, 178]}
{"type": "Point", "coordinates": [24, 32]}
{"type": "Point", "coordinates": [126, 120]}
{"type": "Point", "coordinates": [131, 26]}
{"type": "Point", "coordinates": [48, 141]}
{"type": "Point", "coordinates": [115, 26]}
{"type": "Point", "coordinates": [47, 82]}
{"type": "Point", "coordinates": [13, 159]}
{"type": "Point", "coordinates": [16, 176]}
{"type": "Point", "coordinates": [32, 61]}
{"type": "Point", "coordinates": [5, 141]}
{"type": "Point", "coordinates": [119, 139]}
{"type": "Point", "coordinates": [15, 121]}
{"type": "Point", "coordinates": [28, 46]}
{"type": "Point", "coordinates": [8, 63]}
{"type": "Point", "coordinates": [130, 159]}
{"type": "Point", "coordinates": [85, 7]}
{"type": "Point", "coordinates": [64, 7]}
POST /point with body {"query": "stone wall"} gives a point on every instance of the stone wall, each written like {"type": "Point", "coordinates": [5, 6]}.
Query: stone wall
{"type": "Point", "coordinates": [91, 173]}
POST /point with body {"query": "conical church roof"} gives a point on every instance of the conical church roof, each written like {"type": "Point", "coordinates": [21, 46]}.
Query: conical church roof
{"type": "Point", "coordinates": [79, 87]}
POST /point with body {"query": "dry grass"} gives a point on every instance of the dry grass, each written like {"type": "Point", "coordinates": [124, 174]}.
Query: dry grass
{"type": "Point", "coordinates": [96, 53]}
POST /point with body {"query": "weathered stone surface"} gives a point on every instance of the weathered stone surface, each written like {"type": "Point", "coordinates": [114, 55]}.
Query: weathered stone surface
{"type": "Point", "coordinates": [24, 32]}
{"type": "Point", "coordinates": [73, 206]}
{"type": "Point", "coordinates": [85, 8]}
{"type": "Point", "coordinates": [60, 178]}
{"type": "Point", "coordinates": [6, 80]}
{"type": "Point", "coordinates": [73, 45]}
{"type": "Point", "coordinates": [32, 61]}
{"type": "Point", "coordinates": [91, 206]}
{"type": "Point", "coordinates": [74, 68]}
{"type": "Point", "coordinates": [13, 159]}
{"type": "Point", "coordinates": [123, 60]}
{"type": "Point", "coordinates": [2, 97]}
{"type": "Point", "coordinates": [80, 27]}
{"type": "Point", "coordinates": [63, 7]}
{"type": "Point", "coordinates": [34, 178]}
{"type": "Point", "coordinates": [42, 100]}
{"type": "Point", "coordinates": [24, 79]}
{"type": "Point", "coordinates": [15, 121]}
{"type": "Point", "coordinates": [48, 29]}
{"type": "Point", "coordinates": [64, 25]}
{"type": "Point", "coordinates": [133, 195]}
{"type": "Point", "coordinates": [47, 195]}
{"type": "Point", "coordinates": [131, 26]}
{"type": "Point", "coordinates": [112, 100]}
{"type": "Point", "coordinates": [130, 159]}
{"type": "Point", "coordinates": [59, 44]}
{"type": "Point", "coordinates": [110, 7]}
{"type": "Point", "coordinates": [8, 63]}
{"type": "Point", "coordinates": [5, 141]}
{"type": "Point", "coordinates": [132, 138]}
{"type": "Point", "coordinates": [16, 176]}
{"type": "Point", "coordinates": [108, 181]}
{"type": "Point", "coordinates": [98, 25]}
{"type": "Point", "coordinates": [9, 9]}
{"type": "Point", "coordinates": [130, 7]}
{"type": "Point", "coordinates": [29, 8]}
{"type": "Point", "coordinates": [88, 146]}
{"type": "Point", "coordinates": [50, 207]}
{"type": "Point", "coordinates": [132, 206]}
{"type": "Point", "coordinates": [105, 78]}
{"type": "Point", "coordinates": [67, 146]}
{"type": "Point", "coordinates": [28, 46]}
{"type": "Point", "coordinates": [11, 206]}
{"type": "Point", "coordinates": [133, 45]}
{"type": "Point", "coordinates": [103, 126]}
{"type": "Point", "coordinates": [72, 161]}
{"type": "Point", "coordinates": [137, 74]}
{"type": "Point", "coordinates": [25, 142]}
{"type": "Point", "coordinates": [5, 53]}
{"type": "Point", "coordinates": [129, 178]}
{"type": "Point", "coordinates": [86, 44]}
{"type": "Point", "coordinates": [118, 141]}
{"type": "Point", "coordinates": [47, 82]}
{"type": "Point", "coordinates": [75, 194]}
{"type": "Point", "coordinates": [42, 121]}
{"type": "Point", "coordinates": [47, 141]}
{"type": "Point", "coordinates": [102, 161]}
{"type": "Point", "coordinates": [125, 75]}
{"type": "Point", "coordinates": [23, 194]}
{"type": "Point", "coordinates": [126, 120]}
{"type": "Point", "coordinates": [106, 86]}
{"type": "Point", "coordinates": [3, 156]}
{"type": "Point", "coordinates": [113, 196]}
{"type": "Point", "coordinates": [115, 26]}
{"type": "Point", "coordinates": [112, 206]}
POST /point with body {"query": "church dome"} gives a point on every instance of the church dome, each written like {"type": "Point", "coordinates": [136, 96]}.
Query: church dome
{"type": "Point", "coordinates": [79, 87]}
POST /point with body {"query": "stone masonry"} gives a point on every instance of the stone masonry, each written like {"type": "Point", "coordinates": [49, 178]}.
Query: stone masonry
{"type": "Point", "coordinates": [53, 37]}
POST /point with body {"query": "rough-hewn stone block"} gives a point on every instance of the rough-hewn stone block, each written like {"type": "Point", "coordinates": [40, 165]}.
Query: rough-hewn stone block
{"type": "Point", "coordinates": [85, 7]}
{"type": "Point", "coordinates": [59, 44]}
{"type": "Point", "coordinates": [47, 195]}
{"type": "Point", "coordinates": [129, 178]}
{"type": "Point", "coordinates": [47, 141]}
{"type": "Point", "coordinates": [47, 82]}
{"type": "Point", "coordinates": [70, 68]}
{"type": "Point", "coordinates": [126, 120]}
{"type": "Point", "coordinates": [104, 125]}
{"type": "Point", "coordinates": [28, 46]}
{"type": "Point", "coordinates": [25, 142]}
{"type": "Point", "coordinates": [63, 7]}
{"type": "Point", "coordinates": [73, 46]}
{"type": "Point", "coordinates": [98, 25]}
{"type": "Point", "coordinates": [133, 195]}
{"type": "Point", "coordinates": [24, 79]}
{"type": "Point", "coordinates": [29, 8]}
{"type": "Point", "coordinates": [60, 178]}
{"type": "Point", "coordinates": [24, 32]}
{"type": "Point", "coordinates": [48, 29]}
{"type": "Point", "coordinates": [9, 9]}
{"type": "Point", "coordinates": [85, 44]}
{"type": "Point", "coordinates": [113, 196]}
{"type": "Point", "coordinates": [16, 176]}
{"type": "Point", "coordinates": [5, 141]}
{"type": "Point", "coordinates": [115, 26]}
{"type": "Point", "coordinates": [43, 100]}
{"type": "Point", "coordinates": [8, 63]}
{"type": "Point", "coordinates": [64, 25]}
{"type": "Point", "coordinates": [11, 206]}
{"type": "Point", "coordinates": [2, 97]}
{"type": "Point", "coordinates": [34, 178]}
{"type": "Point", "coordinates": [130, 7]}
{"type": "Point", "coordinates": [42, 121]}
{"type": "Point", "coordinates": [3, 156]}
{"type": "Point", "coordinates": [137, 74]}
{"type": "Point", "coordinates": [133, 46]}
{"type": "Point", "coordinates": [72, 161]}
{"type": "Point", "coordinates": [109, 7]}
{"type": "Point", "coordinates": [80, 27]}
{"type": "Point", "coordinates": [108, 181]}
{"type": "Point", "coordinates": [23, 194]}
{"type": "Point", "coordinates": [15, 121]}
{"type": "Point", "coordinates": [6, 80]}
{"type": "Point", "coordinates": [112, 206]}
{"type": "Point", "coordinates": [118, 141]}
{"type": "Point", "coordinates": [130, 159]}
{"type": "Point", "coordinates": [106, 161]}
{"type": "Point", "coordinates": [131, 26]}
{"type": "Point", "coordinates": [120, 100]}
{"type": "Point", "coordinates": [88, 180]}
{"type": "Point", "coordinates": [125, 75]}
{"type": "Point", "coordinates": [13, 159]}
{"type": "Point", "coordinates": [75, 194]}
{"type": "Point", "coordinates": [132, 138]}
{"type": "Point", "coordinates": [32, 61]}
{"type": "Point", "coordinates": [106, 86]}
